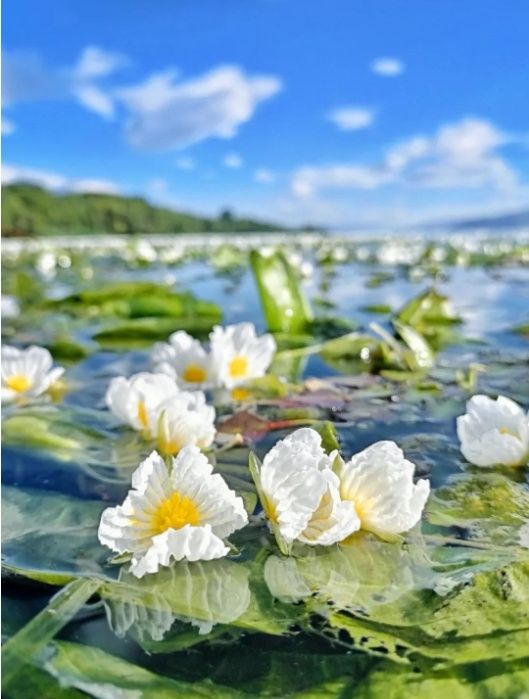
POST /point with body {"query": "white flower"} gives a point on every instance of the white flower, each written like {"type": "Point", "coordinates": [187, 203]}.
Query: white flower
{"type": "Point", "coordinates": [137, 400]}
{"type": "Point", "coordinates": [182, 513]}
{"type": "Point", "coordinates": [379, 482]}
{"type": "Point", "coordinates": [300, 493]}
{"type": "Point", "coordinates": [10, 306]}
{"type": "Point", "coordinates": [184, 359]}
{"type": "Point", "coordinates": [185, 419]}
{"type": "Point", "coordinates": [237, 353]}
{"type": "Point", "coordinates": [27, 373]}
{"type": "Point", "coordinates": [494, 432]}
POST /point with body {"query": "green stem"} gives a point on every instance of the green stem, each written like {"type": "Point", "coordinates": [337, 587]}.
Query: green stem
{"type": "Point", "coordinates": [26, 643]}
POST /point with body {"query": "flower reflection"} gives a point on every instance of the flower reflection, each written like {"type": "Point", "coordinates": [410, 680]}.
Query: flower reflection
{"type": "Point", "coordinates": [201, 593]}
{"type": "Point", "coordinates": [359, 575]}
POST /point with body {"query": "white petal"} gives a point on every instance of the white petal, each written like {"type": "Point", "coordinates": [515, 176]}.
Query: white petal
{"type": "Point", "coordinates": [334, 519]}
{"type": "Point", "coordinates": [151, 473]}
{"type": "Point", "coordinates": [494, 432]}
{"type": "Point", "coordinates": [185, 419]}
{"type": "Point", "coordinates": [8, 395]}
{"type": "Point", "coordinates": [117, 397]}
{"type": "Point", "coordinates": [218, 505]}
{"type": "Point", "coordinates": [379, 481]}
{"type": "Point", "coordinates": [240, 341]}
{"type": "Point", "coordinates": [189, 543]}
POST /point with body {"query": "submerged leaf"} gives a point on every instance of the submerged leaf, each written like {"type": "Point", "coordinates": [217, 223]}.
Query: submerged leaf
{"type": "Point", "coordinates": [48, 536]}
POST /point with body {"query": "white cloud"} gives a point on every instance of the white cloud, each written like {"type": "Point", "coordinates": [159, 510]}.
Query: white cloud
{"type": "Point", "coordinates": [309, 180]}
{"type": "Point", "coordinates": [459, 155]}
{"type": "Point", "coordinates": [264, 176]}
{"type": "Point", "coordinates": [56, 182]}
{"type": "Point", "coordinates": [8, 127]}
{"type": "Point", "coordinates": [233, 161]}
{"type": "Point", "coordinates": [185, 163]}
{"type": "Point", "coordinates": [95, 100]}
{"type": "Point", "coordinates": [351, 118]}
{"type": "Point", "coordinates": [95, 62]}
{"type": "Point", "coordinates": [388, 67]}
{"type": "Point", "coordinates": [167, 114]}
{"type": "Point", "coordinates": [43, 178]}
{"type": "Point", "coordinates": [93, 187]}
{"type": "Point", "coordinates": [26, 78]}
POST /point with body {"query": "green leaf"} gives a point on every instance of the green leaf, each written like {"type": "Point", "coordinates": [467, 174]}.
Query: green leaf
{"type": "Point", "coordinates": [488, 506]}
{"type": "Point", "coordinates": [494, 682]}
{"type": "Point", "coordinates": [33, 682]}
{"type": "Point", "coordinates": [329, 435]}
{"type": "Point", "coordinates": [432, 315]}
{"type": "Point", "coordinates": [103, 676]}
{"type": "Point", "coordinates": [142, 332]}
{"type": "Point", "coordinates": [283, 300]}
{"type": "Point", "coordinates": [420, 355]}
{"type": "Point", "coordinates": [50, 537]}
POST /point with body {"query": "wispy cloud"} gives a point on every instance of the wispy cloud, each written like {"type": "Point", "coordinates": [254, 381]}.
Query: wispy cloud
{"type": "Point", "coordinates": [264, 176]}
{"type": "Point", "coordinates": [56, 182]}
{"type": "Point", "coordinates": [95, 99]}
{"type": "Point", "coordinates": [463, 154]}
{"type": "Point", "coordinates": [185, 163]}
{"type": "Point", "coordinates": [8, 127]}
{"type": "Point", "coordinates": [351, 118]}
{"type": "Point", "coordinates": [167, 114]}
{"type": "Point", "coordinates": [233, 161]}
{"type": "Point", "coordinates": [388, 67]}
{"type": "Point", "coordinates": [26, 78]}
{"type": "Point", "coordinates": [95, 62]}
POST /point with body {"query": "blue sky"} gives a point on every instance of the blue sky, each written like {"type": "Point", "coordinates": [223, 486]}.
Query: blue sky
{"type": "Point", "coordinates": [343, 113]}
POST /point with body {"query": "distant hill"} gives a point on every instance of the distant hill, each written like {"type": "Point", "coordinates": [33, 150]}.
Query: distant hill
{"type": "Point", "coordinates": [31, 210]}
{"type": "Point", "coordinates": [516, 219]}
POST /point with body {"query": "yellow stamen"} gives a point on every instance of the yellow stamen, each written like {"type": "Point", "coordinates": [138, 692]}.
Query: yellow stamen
{"type": "Point", "coordinates": [238, 367]}
{"type": "Point", "coordinates": [270, 509]}
{"type": "Point", "coordinates": [240, 394]}
{"type": "Point", "coordinates": [142, 415]}
{"type": "Point", "coordinates": [18, 383]}
{"type": "Point", "coordinates": [321, 515]}
{"type": "Point", "coordinates": [194, 373]}
{"type": "Point", "coordinates": [175, 512]}
{"type": "Point", "coordinates": [362, 507]}
{"type": "Point", "coordinates": [506, 430]}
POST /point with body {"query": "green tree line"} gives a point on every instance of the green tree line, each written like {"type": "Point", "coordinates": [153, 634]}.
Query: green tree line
{"type": "Point", "coordinates": [31, 210]}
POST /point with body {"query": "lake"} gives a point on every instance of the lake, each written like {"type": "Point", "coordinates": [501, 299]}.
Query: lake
{"type": "Point", "coordinates": [440, 610]}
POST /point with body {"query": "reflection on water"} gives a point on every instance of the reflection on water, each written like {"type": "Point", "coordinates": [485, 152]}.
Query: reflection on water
{"type": "Point", "coordinates": [202, 594]}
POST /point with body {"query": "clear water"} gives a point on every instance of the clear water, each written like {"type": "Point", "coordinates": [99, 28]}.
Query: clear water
{"type": "Point", "coordinates": [443, 610]}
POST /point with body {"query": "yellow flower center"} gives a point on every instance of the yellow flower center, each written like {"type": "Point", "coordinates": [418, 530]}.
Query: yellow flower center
{"type": "Point", "coordinates": [175, 512]}
{"type": "Point", "coordinates": [142, 414]}
{"type": "Point", "coordinates": [320, 517]}
{"type": "Point", "coordinates": [19, 383]}
{"type": "Point", "coordinates": [506, 430]}
{"type": "Point", "coordinates": [270, 509]}
{"type": "Point", "coordinates": [238, 367]}
{"type": "Point", "coordinates": [194, 373]}
{"type": "Point", "coordinates": [362, 505]}
{"type": "Point", "coordinates": [240, 394]}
